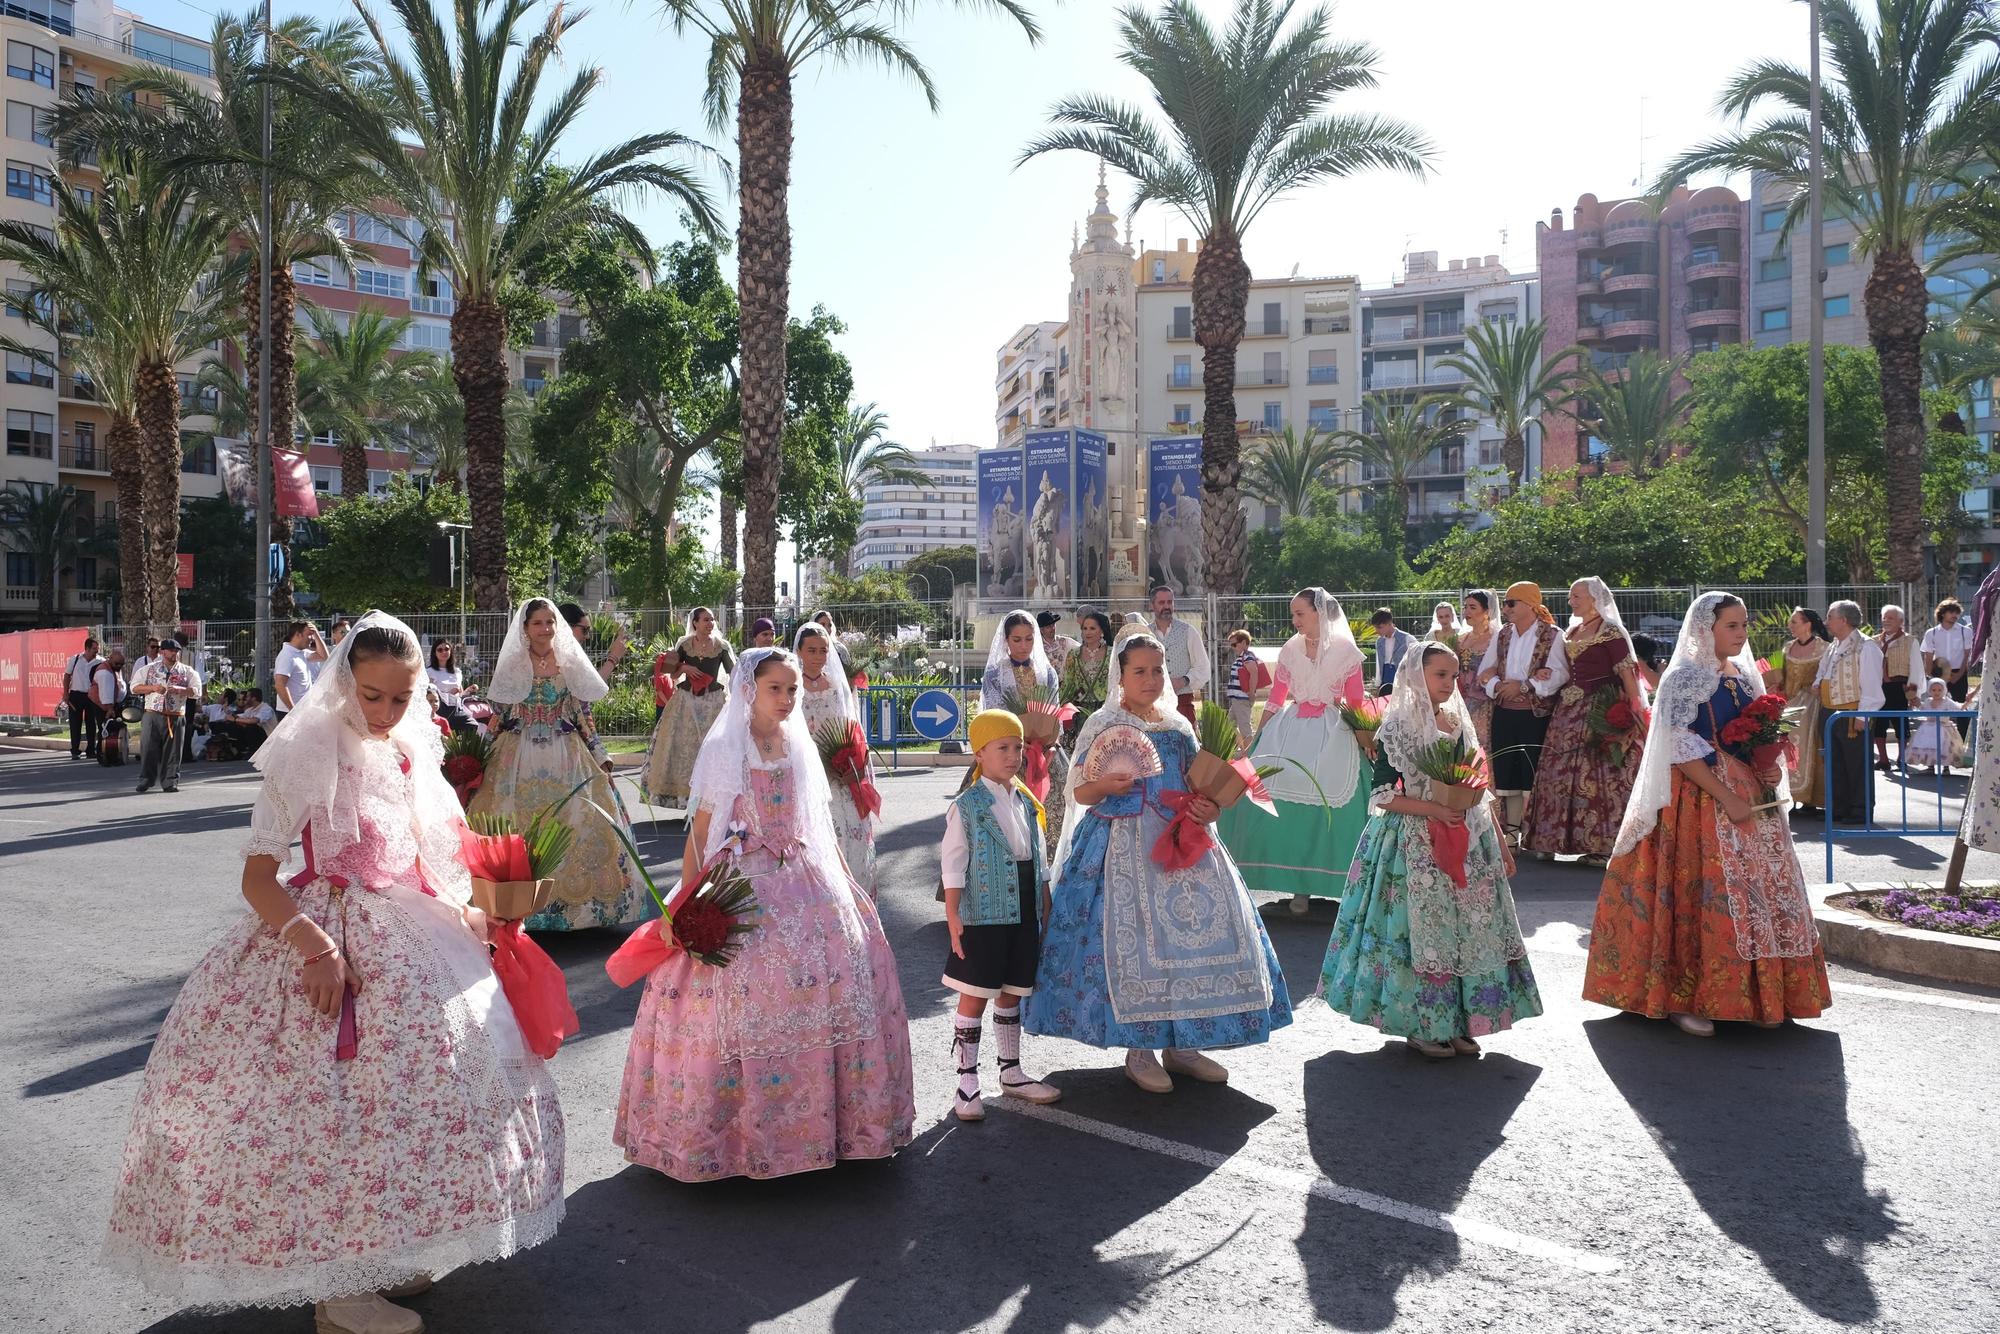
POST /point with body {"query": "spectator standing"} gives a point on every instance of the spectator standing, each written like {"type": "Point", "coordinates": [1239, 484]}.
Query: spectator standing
{"type": "Point", "coordinates": [144, 660]}
{"type": "Point", "coordinates": [763, 633]}
{"type": "Point", "coordinates": [1390, 646]}
{"type": "Point", "coordinates": [1058, 646]}
{"type": "Point", "coordinates": [1245, 671]}
{"type": "Point", "coordinates": [292, 675]}
{"type": "Point", "coordinates": [1187, 657]}
{"type": "Point", "coordinates": [167, 687]}
{"type": "Point", "coordinates": [86, 722]}
{"type": "Point", "coordinates": [1947, 650]}
{"type": "Point", "coordinates": [337, 631]}
{"type": "Point", "coordinates": [107, 694]}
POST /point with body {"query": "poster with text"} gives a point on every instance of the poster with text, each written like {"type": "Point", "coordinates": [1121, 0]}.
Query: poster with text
{"type": "Point", "coordinates": [1003, 523]}
{"type": "Point", "coordinates": [1089, 488]}
{"type": "Point", "coordinates": [1173, 515]}
{"type": "Point", "coordinates": [1051, 524]}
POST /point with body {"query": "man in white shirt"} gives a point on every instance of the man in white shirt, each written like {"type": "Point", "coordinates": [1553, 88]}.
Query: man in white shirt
{"type": "Point", "coordinates": [292, 674]}
{"type": "Point", "coordinates": [144, 660]}
{"type": "Point", "coordinates": [1947, 649]}
{"type": "Point", "coordinates": [1849, 677]}
{"type": "Point", "coordinates": [1187, 656]}
{"type": "Point", "coordinates": [246, 729]}
{"type": "Point", "coordinates": [167, 686]}
{"type": "Point", "coordinates": [85, 722]}
{"type": "Point", "coordinates": [1524, 668]}
{"type": "Point", "coordinates": [107, 692]}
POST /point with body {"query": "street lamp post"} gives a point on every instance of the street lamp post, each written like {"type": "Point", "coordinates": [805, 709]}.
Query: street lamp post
{"type": "Point", "coordinates": [262, 445]}
{"type": "Point", "coordinates": [1816, 350]}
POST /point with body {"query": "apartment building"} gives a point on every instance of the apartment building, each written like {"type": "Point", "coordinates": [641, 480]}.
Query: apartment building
{"type": "Point", "coordinates": [1409, 330]}
{"type": "Point", "coordinates": [1626, 277]}
{"type": "Point", "coordinates": [57, 434]}
{"type": "Point", "coordinates": [901, 521]}
{"type": "Point", "coordinates": [1032, 383]}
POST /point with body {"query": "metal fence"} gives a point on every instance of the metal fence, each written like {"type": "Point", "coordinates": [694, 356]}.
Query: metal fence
{"type": "Point", "coordinates": [1869, 828]}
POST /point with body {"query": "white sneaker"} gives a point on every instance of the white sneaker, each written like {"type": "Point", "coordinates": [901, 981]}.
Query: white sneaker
{"type": "Point", "coordinates": [1144, 1069]}
{"type": "Point", "coordinates": [1195, 1066]}
{"type": "Point", "coordinates": [367, 1314]}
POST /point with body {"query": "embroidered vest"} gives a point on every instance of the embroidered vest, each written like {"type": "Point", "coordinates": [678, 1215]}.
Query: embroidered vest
{"type": "Point", "coordinates": [1898, 660]}
{"type": "Point", "coordinates": [1840, 687]}
{"type": "Point", "coordinates": [992, 894]}
{"type": "Point", "coordinates": [1545, 642]}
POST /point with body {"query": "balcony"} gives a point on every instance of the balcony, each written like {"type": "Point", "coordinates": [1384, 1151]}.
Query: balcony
{"type": "Point", "coordinates": [1261, 328]}
{"type": "Point", "coordinates": [1631, 282]}
{"type": "Point", "coordinates": [1696, 271]}
{"type": "Point", "coordinates": [1590, 284]}
{"type": "Point", "coordinates": [1392, 377]}
{"type": "Point", "coordinates": [1183, 379]}
{"type": "Point", "coordinates": [1609, 362]}
{"type": "Point", "coordinates": [1631, 328]}
{"type": "Point", "coordinates": [1632, 231]}
{"type": "Point", "coordinates": [1588, 332]}
{"type": "Point", "coordinates": [1588, 238]}
{"type": "Point", "coordinates": [86, 458]}
{"type": "Point", "coordinates": [1322, 375]}
{"type": "Point", "coordinates": [1327, 324]}
{"type": "Point", "coordinates": [1394, 331]}
{"type": "Point", "coordinates": [1717, 316]}
{"type": "Point", "coordinates": [1716, 217]}
{"type": "Point", "coordinates": [533, 387]}
{"type": "Point", "coordinates": [76, 388]}
{"type": "Point", "coordinates": [1262, 379]}
{"type": "Point", "coordinates": [1180, 333]}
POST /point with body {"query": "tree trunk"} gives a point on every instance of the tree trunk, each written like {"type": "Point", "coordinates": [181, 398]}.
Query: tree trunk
{"type": "Point", "coordinates": [128, 473]}
{"type": "Point", "coordinates": [160, 454]}
{"type": "Point", "coordinates": [479, 367]}
{"type": "Point", "coordinates": [763, 294]}
{"type": "Point", "coordinates": [1514, 458]}
{"type": "Point", "coordinates": [284, 400]}
{"type": "Point", "coordinates": [353, 468]}
{"type": "Point", "coordinates": [1221, 293]}
{"type": "Point", "coordinates": [1895, 300]}
{"type": "Point", "coordinates": [727, 554]}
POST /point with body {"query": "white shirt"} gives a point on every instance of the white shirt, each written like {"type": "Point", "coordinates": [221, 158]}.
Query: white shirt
{"type": "Point", "coordinates": [215, 713]}
{"type": "Point", "coordinates": [110, 688]}
{"type": "Point", "coordinates": [1871, 666]}
{"type": "Point", "coordinates": [1950, 648]}
{"type": "Point", "coordinates": [1186, 655]}
{"type": "Point", "coordinates": [449, 683]}
{"type": "Point", "coordinates": [139, 666]}
{"type": "Point", "coordinates": [81, 668]}
{"type": "Point", "coordinates": [956, 850]}
{"type": "Point", "coordinates": [296, 667]}
{"type": "Point", "coordinates": [263, 715]}
{"type": "Point", "coordinates": [1521, 661]}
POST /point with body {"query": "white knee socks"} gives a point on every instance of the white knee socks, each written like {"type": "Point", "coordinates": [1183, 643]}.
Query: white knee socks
{"type": "Point", "coordinates": [1007, 1035]}
{"type": "Point", "coordinates": [965, 1046]}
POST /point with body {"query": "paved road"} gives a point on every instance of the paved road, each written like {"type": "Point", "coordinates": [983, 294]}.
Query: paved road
{"type": "Point", "coordinates": [1591, 1173]}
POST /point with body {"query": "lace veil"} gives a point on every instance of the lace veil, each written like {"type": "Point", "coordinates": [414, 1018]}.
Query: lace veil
{"type": "Point", "coordinates": [1337, 653]}
{"type": "Point", "coordinates": [1408, 723]}
{"type": "Point", "coordinates": [999, 675]}
{"type": "Point", "coordinates": [722, 769]}
{"type": "Point", "coordinates": [514, 673]}
{"type": "Point", "coordinates": [1437, 621]}
{"type": "Point", "coordinates": [1690, 679]}
{"type": "Point", "coordinates": [833, 671]}
{"type": "Point", "coordinates": [1607, 607]}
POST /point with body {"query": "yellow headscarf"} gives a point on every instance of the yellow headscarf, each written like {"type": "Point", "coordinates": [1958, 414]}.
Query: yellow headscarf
{"type": "Point", "coordinates": [1532, 595]}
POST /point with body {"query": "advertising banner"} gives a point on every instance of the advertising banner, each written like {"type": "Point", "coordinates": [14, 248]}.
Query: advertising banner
{"type": "Point", "coordinates": [13, 676]}
{"type": "Point", "coordinates": [1173, 515]}
{"type": "Point", "coordinates": [1090, 489]}
{"type": "Point", "coordinates": [33, 681]}
{"type": "Point", "coordinates": [1002, 525]}
{"type": "Point", "coordinates": [1051, 522]}
{"type": "Point", "coordinates": [292, 483]}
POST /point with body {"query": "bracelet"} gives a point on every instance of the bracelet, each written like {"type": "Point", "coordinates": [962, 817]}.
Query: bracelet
{"type": "Point", "coordinates": [330, 949]}
{"type": "Point", "coordinates": [296, 918]}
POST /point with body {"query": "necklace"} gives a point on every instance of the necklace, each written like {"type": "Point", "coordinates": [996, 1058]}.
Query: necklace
{"type": "Point", "coordinates": [770, 747]}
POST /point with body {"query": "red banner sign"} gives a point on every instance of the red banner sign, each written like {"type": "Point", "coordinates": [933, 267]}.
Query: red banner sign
{"type": "Point", "coordinates": [291, 482]}
{"type": "Point", "coordinates": [184, 571]}
{"type": "Point", "coordinates": [32, 670]}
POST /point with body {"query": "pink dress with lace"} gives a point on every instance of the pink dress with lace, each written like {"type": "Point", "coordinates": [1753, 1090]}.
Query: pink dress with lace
{"type": "Point", "coordinates": [794, 1056]}
{"type": "Point", "coordinates": [260, 1168]}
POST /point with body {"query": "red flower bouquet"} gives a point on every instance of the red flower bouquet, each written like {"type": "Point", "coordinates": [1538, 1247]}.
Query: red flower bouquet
{"type": "Point", "coordinates": [512, 877]}
{"type": "Point", "coordinates": [706, 920]}
{"type": "Point", "coordinates": [466, 755]}
{"type": "Point", "coordinates": [843, 749]}
{"type": "Point", "coordinates": [1764, 729]}
{"type": "Point", "coordinates": [1613, 726]}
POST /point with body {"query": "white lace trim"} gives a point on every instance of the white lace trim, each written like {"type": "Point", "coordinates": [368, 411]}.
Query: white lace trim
{"type": "Point", "coordinates": [1688, 745]}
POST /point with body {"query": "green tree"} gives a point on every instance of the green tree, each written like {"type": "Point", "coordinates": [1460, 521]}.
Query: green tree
{"type": "Point", "coordinates": [51, 525]}
{"type": "Point", "coordinates": [452, 132]}
{"type": "Point", "coordinates": [374, 551]}
{"type": "Point", "coordinates": [1636, 411]}
{"type": "Point", "coordinates": [362, 386]}
{"type": "Point", "coordinates": [1324, 548]}
{"type": "Point", "coordinates": [1908, 116]}
{"type": "Point", "coordinates": [1507, 382]}
{"type": "Point", "coordinates": [1400, 437]}
{"type": "Point", "coordinates": [223, 536]}
{"type": "Point", "coordinates": [865, 458]}
{"type": "Point", "coordinates": [212, 142]}
{"type": "Point", "coordinates": [1678, 526]}
{"type": "Point", "coordinates": [756, 50]}
{"type": "Point", "coordinates": [1247, 123]}
{"type": "Point", "coordinates": [1291, 471]}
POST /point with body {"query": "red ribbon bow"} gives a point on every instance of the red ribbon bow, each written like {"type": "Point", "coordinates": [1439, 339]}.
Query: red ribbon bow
{"type": "Point", "coordinates": [652, 944]}
{"type": "Point", "coordinates": [535, 987]}
{"type": "Point", "coordinates": [699, 681]}
{"type": "Point", "coordinates": [1186, 839]}
{"type": "Point", "coordinates": [1449, 845]}
{"type": "Point", "coordinates": [496, 857]}
{"type": "Point", "coordinates": [1035, 770]}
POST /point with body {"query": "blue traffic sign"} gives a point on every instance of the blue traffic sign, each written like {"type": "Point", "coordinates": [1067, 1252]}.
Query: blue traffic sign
{"type": "Point", "coordinates": [935, 715]}
{"type": "Point", "coordinates": [277, 559]}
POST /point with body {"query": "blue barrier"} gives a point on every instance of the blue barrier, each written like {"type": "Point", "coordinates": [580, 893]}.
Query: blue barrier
{"type": "Point", "coordinates": [889, 725]}
{"type": "Point", "coordinates": [1868, 827]}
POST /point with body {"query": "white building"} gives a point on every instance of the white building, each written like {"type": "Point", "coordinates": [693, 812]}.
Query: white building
{"type": "Point", "coordinates": [900, 522]}
{"type": "Point", "coordinates": [1032, 382]}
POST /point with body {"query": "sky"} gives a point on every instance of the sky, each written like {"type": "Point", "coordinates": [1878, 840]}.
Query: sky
{"type": "Point", "coordinates": [926, 239]}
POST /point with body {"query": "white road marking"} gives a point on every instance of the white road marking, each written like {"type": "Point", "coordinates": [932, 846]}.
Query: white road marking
{"type": "Point", "coordinates": [1305, 1183]}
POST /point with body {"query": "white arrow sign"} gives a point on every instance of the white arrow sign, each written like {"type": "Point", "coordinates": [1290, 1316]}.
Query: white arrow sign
{"type": "Point", "coordinates": [934, 714]}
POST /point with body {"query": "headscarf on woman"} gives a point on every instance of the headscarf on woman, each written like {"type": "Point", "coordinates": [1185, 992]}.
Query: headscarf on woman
{"type": "Point", "coordinates": [514, 673]}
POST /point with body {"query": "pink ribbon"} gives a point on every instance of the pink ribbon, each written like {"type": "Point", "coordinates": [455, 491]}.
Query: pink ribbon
{"type": "Point", "coordinates": [1311, 710]}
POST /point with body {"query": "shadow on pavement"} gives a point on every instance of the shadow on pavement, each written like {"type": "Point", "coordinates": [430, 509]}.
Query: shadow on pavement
{"type": "Point", "coordinates": [162, 820]}
{"type": "Point", "coordinates": [1764, 1144]}
{"type": "Point", "coordinates": [1397, 1124]}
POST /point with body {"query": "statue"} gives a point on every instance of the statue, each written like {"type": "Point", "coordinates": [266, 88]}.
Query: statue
{"type": "Point", "coordinates": [1046, 575]}
{"type": "Point", "coordinates": [1091, 541]}
{"type": "Point", "coordinates": [1176, 542]}
{"type": "Point", "coordinates": [1003, 548]}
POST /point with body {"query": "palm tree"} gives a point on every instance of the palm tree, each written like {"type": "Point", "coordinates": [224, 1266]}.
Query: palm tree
{"type": "Point", "coordinates": [212, 142]}
{"type": "Point", "coordinates": [1398, 437]}
{"type": "Point", "coordinates": [757, 48]}
{"type": "Point", "coordinates": [867, 459]}
{"type": "Point", "coordinates": [479, 178]}
{"type": "Point", "coordinates": [52, 525]}
{"type": "Point", "coordinates": [167, 291]}
{"type": "Point", "coordinates": [1507, 382]}
{"type": "Point", "coordinates": [1636, 413]}
{"type": "Point", "coordinates": [361, 381]}
{"type": "Point", "coordinates": [1907, 118]}
{"type": "Point", "coordinates": [1248, 122]}
{"type": "Point", "coordinates": [1287, 469]}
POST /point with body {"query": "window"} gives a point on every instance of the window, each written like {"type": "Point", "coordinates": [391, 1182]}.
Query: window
{"type": "Point", "coordinates": [314, 273]}
{"type": "Point", "coordinates": [1834, 306]}
{"type": "Point", "coordinates": [26, 181]}
{"type": "Point", "coordinates": [175, 53]}
{"type": "Point", "coordinates": [1981, 394]}
{"type": "Point", "coordinates": [21, 569]}
{"type": "Point", "coordinates": [85, 576]}
{"type": "Point", "coordinates": [1775, 269]}
{"type": "Point", "coordinates": [326, 479]}
{"type": "Point", "coordinates": [25, 122]}
{"type": "Point", "coordinates": [1323, 366]}
{"type": "Point", "coordinates": [1183, 326]}
{"type": "Point", "coordinates": [1978, 504]}
{"type": "Point", "coordinates": [1183, 413]}
{"type": "Point", "coordinates": [1159, 270]}
{"type": "Point", "coordinates": [1323, 417]}
{"type": "Point", "coordinates": [31, 434]}
{"type": "Point", "coordinates": [1836, 254]}
{"type": "Point", "coordinates": [86, 445]}
{"type": "Point", "coordinates": [381, 282]}
{"type": "Point", "coordinates": [1183, 376]}
{"type": "Point", "coordinates": [431, 296]}
{"type": "Point", "coordinates": [1775, 319]}
{"type": "Point", "coordinates": [378, 481]}
{"type": "Point", "coordinates": [198, 454]}
{"type": "Point", "coordinates": [1274, 416]}
{"type": "Point", "coordinates": [29, 370]}
{"type": "Point", "coordinates": [31, 63]}
{"type": "Point", "coordinates": [1771, 219]}
{"type": "Point", "coordinates": [427, 337]}
{"type": "Point", "coordinates": [19, 299]}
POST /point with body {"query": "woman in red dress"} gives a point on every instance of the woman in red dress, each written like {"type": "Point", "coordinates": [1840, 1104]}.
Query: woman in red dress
{"type": "Point", "coordinates": [1586, 772]}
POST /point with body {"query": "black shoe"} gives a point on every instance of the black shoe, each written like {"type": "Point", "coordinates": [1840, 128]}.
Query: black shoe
{"type": "Point", "coordinates": [171, 787]}
{"type": "Point", "coordinates": [143, 787]}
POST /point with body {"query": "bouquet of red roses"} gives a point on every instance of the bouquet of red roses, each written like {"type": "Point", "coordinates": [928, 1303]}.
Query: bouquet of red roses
{"type": "Point", "coordinates": [843, 749]}
{"type": "Point", "coordinates": [1764, 729]}
{"type": "Point", "coordinates": [1613, 725]}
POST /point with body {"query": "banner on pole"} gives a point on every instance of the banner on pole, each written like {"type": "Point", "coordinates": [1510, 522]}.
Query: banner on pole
{"type": "Point", "coordinates": [1173, 515]}
{"type": "Point", "coordinates": [34, 680]}
{"type": "Point", "coordinates": [1091, 524]}
{"type": "Point", "coordinates": [1051, 521]}
{"type": "Point", "coordinates": [1002, 524]}
{"type": "Point", "coordinates": [292, 486]}
{"type": "Point", "coordinates": [184, 570]}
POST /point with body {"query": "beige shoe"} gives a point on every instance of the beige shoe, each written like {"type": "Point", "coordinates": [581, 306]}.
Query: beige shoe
{"type": "Point", "coordinates": [1144, 1069]}
{"type": "Point", "coordinates": [1693, 1025]}
{"type": "Point", "coordinates": [365, 1315]}
{"type": "Point", "coordinates": [969, 1109]}
{"type": "Point", "coordinates": [1030, 1090]}
{"type": "Point", "coordinates": [1437, 1051]}
{"type": "Point", "coordinates": [1465, 1046]}
{"type": "Point", "coordinates": [416, 1286]}
{"type": "Point", "coordinates": [1194, 1065]}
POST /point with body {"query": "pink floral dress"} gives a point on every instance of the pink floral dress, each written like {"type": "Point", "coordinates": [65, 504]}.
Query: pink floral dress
{"type": "Point", "coordinates": [794, 1056]}
{"type": "Point", "coordinates": [263, 1170]}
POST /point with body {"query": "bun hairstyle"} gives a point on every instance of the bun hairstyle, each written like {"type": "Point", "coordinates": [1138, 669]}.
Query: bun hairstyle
{"type": "Point", "coordinates": [1015, 621]}
{"type": "Point", "coordinates": [538, 604]}
{"type": "Point", "coordinates": [1482, 597]}
{"type": "Point", "coordinates": [1102, 622]}
{"type": "Point", "coordinates": [381, 641]}
{"type": "Point", "coordinates": [1436, 650]}
{"type": "Point", "coordinates": [777, 657]}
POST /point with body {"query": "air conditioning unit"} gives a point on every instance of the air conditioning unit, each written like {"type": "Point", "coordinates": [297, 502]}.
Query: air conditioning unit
{"type": "Point", "coordinates": [65, 60]}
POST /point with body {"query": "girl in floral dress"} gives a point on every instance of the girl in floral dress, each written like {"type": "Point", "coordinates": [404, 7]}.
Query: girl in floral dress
{"type": "Point", "coordinates": [1580, 784]}
{"type": "Point", "coordinates": [1017, 660]}
{"type": "Point", "coordinates": [543, 686]}
{"type": "Point", "coordinates": [1473, 641]}
{"type": "Point", "coordinates": [340, 1100]}
{"type": "Point", "coordinates": [826, 698]}
{"type": "Point", "coordinates": [797, 1054]}
{"type": "Point", "coordinates": [703, 661]}
{"type": "Point", "coordinates": [1704, 913]}
{"type": "Point", "coordinates": [1174, 962]}
{"type": "Point", "coordinates": [1083, 674]}
{"type": "Point", "coordinates": [1428, 947]}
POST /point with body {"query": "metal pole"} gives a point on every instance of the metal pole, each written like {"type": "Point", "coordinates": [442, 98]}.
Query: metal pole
{"type": "Point", "coordinates": [261, 668]}
{"type": "Point", "coordinates": [458, 555]}
{"type": "Point", "coordinates": [1816, 351]}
